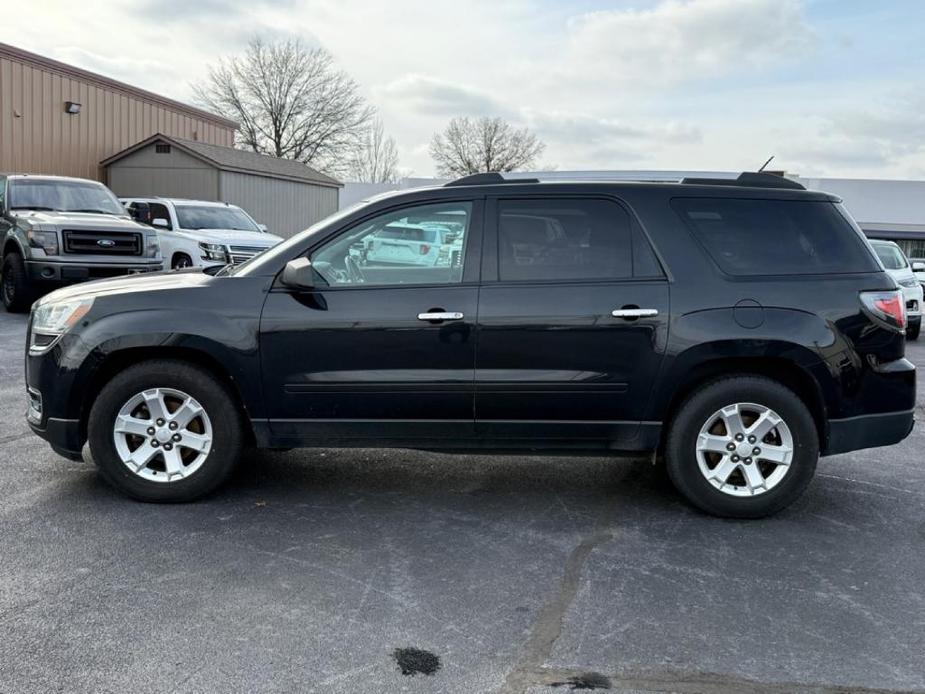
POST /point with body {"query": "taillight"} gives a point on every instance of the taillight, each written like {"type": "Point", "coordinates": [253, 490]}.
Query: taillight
{"type": "Point", "coordinates": [425, 249]}
{"type": "Point", "coordinates": [888, 307]}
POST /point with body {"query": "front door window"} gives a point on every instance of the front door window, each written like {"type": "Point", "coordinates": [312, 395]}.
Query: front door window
{"type": "Point", "coordinates": [425, 244]}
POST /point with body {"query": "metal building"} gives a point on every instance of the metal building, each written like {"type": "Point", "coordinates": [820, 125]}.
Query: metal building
{"type": "Point", "coordinates": [59, 119]}
{"type": "Point", "coordinates": [285, 195]}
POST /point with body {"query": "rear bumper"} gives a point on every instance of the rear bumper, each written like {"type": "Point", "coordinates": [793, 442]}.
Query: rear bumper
{"type": "Point", "coordinates": [868, 431]}
{"type": "Point", "coordinates": [66, 273]}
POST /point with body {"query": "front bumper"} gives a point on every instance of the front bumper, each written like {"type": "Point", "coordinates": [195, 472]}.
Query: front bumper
{"type": "Point", "coordinates": [67, 273]}
{"type": "Point", "coordinates": [63, 435]}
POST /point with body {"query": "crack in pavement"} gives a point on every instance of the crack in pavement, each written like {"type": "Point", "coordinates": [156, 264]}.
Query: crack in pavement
{"type": "Point", "coordinates": [548, 625]}
{"type": "Point", "coordinates": [681, 682]}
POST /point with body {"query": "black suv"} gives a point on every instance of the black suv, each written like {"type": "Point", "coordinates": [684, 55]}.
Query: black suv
{"type": "Point", "coordinates": [740, 328]}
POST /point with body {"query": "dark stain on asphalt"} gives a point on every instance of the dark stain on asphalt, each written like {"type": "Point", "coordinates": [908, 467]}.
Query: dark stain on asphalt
{"type": "Point", "coordinates": [413, 661]}
{"type": "Point", "coordinates": [589, 680]}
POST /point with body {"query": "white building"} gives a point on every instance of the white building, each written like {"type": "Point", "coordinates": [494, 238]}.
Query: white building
{"type": "Point", "coordinates": [884, 209]}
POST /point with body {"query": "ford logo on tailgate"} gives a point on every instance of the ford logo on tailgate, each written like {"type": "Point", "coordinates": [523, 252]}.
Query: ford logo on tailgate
{"type": "Point", "coordinates": [106, 243]}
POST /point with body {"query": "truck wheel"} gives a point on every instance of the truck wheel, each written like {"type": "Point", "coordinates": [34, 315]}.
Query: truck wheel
{"type": "Point", "coordinates": [15, 290]}
{"type": "Point", "coordinates": [165, 431]}
{"type": "Point", "coordinates": [181, 260]}
{"type": "Point", "coordinates": [742, 447]}
{"type": "Point", "coordinates": [912, 332]}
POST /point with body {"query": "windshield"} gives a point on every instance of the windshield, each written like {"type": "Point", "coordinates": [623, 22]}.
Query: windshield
{"type": "Point", "coordinates": [891, 257]}
{"type": "Point", "coordinates": [281, 250]}
{"type": "Point", "coordinates": [209, 217]}
{"type": "Point", "coordinates": [63, 196]}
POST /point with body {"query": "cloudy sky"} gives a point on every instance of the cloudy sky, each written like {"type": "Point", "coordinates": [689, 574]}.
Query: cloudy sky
{"type": "Point", "coordinates": [831, 87]}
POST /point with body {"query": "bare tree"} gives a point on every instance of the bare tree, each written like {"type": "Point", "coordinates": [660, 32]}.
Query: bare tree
{"type": "Point", "coordinates": [480, 145]}
{"type": "Point", "coordinates": [375, 158]}
{"type": "Point", "coordinates": [290, 101]}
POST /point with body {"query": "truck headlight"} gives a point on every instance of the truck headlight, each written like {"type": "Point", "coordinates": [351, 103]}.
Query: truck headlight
{"type": "Point", "coordinates": [213, 251]}
{"type": "Point", "coordinates": [46, 240]}
{"type": "Point", "coordinates": [51, 320]}
{"type": "Point", "coordinates": [153, 247]}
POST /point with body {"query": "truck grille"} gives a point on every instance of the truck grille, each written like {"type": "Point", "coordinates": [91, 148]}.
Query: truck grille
{"type": "Point", "coordinates": [102, 242]}
{"type": "Point", "coordinates": [241, 253]}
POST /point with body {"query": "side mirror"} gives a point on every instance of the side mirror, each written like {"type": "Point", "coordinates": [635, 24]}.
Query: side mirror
{"type": "Point", "coordinates": [299, 274]}
{"type": "Point", "coordinates": [141, 212]}
{"type": "Point", "coordinates": [262, 227]}
{"type": "Point", "coordinates": [918, 266]}
{"type": "Point", "coordinates": [160, 223]}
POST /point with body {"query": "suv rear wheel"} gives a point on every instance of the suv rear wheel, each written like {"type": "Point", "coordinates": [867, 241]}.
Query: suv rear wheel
{"type": "Point", "coordinates": [742, 447]}
{"type": "Point", "coordinates": [15, 291]}
{"type": "Point", "coordinates": [165, 431]}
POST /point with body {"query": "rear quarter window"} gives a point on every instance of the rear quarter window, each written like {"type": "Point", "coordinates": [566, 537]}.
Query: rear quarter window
{"type": "Point", "coordinates": [775, 237]}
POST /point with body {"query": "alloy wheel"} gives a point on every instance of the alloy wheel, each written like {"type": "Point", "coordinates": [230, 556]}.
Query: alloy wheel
{"type": "Point", "coordinates": [162, 435]}
{"type": "Point", "coordinates": [744, 449]}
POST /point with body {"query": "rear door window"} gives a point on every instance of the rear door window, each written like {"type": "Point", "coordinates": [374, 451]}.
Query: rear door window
{"type": "Point", "coordinates": [569, 239]}
{"type": "Point", "coordinates": [775, 237]}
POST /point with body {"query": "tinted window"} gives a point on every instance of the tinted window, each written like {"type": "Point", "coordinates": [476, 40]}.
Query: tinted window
{"type": "Point", "coordinates": [209, 217]}
{"type": "Point", "coordinates": [424, 244]}
{"type": "Point", "coordinates": [563, 239]}
{"type": "Point", "coordinates": [63, 195]}
{"type": "Point", "coordinates": [890, 255]}
{"type": "Point", "coordinates": [775, 237]}
{"type": "Point", "coordinates": [159, 211]}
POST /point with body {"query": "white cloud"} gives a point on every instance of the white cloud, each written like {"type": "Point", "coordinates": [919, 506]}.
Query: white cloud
{"type": "Point", "coordinates": [433, 96]}
{"type": "Point", "coordinates": [679, 40]}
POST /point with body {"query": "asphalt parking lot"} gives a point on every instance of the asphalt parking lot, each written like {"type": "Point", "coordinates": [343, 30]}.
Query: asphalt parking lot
{"type": "Point", "coordinates": [514, 574]}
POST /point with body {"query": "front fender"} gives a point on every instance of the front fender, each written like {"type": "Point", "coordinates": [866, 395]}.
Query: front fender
{"type": "Point", "coordinates": [230, 344]}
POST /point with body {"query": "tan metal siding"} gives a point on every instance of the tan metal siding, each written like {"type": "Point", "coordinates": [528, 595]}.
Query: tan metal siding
{"type": "Point", "coordinates": [286, 207]}
{"type": "Point", "coordinates": [37, 136]}
{"type": "Point", "coordinates": [174, 174]}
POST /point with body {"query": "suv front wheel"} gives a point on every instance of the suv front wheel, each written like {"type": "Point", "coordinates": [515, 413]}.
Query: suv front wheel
{"type": "Point", "coordinates": [165, 431]}
{"type": "Point", "coordinates": [742, 447]}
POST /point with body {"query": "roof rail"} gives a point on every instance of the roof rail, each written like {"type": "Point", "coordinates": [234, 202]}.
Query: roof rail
{"type": "Point", "coordinates": [750, 179]}
{"type": "Point", "coordinates": [492, 178]}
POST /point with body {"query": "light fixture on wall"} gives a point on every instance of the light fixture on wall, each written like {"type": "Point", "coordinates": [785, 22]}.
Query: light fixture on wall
{"type": "Point", "coordinates": [71, 107]}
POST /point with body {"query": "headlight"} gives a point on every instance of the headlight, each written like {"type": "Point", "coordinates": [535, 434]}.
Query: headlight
{"type": "Point", "coordinates": [46, 240]}
{"type": "Point", "coordinates": [51, 320]}
{"type": "Point", "coordinates": [153, 247]}
{"type": "Point", "coordinates": [213, 251]}
{"type": "Point", "coordinates": [909, 282]}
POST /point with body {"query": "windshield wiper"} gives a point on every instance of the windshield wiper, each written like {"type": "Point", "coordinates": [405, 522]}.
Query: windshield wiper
{"type": "Point", "coordinates": [92, 210]}
{"type": "Point", "coordinates": [37, 208]}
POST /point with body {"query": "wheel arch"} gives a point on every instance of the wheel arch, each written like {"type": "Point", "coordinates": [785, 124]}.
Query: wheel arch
{"type": "Point", "coordinates": [12, 245]}
{"type": "Point", "coordinates": [785, 371]}
{"type": "Point", "coordinates": [115, 362]}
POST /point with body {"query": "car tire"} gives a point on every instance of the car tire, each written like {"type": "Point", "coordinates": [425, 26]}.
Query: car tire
{"type": "Point", "coordinates": [181, 260]}
{"type": "Point", "coordinates": [16, 292]}
{"type": "Point", "coordinates": [912, 332]}
{"type": "Point", "coordinates": [219, 432]}
{"type": "Point", "coordinates": [738, 483]}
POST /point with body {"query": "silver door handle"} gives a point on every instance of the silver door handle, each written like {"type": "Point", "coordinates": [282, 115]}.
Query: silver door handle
{"type": "Point", "coordinates": [634, 313]}
{"type": "Point", "coordinates": [441, 315]}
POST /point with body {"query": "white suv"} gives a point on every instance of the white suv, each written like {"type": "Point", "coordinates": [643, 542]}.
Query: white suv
{"type": "Point", "coordinates": [899, 267]}
{"type": "Point", "coordinates": [406, 243]}
{"type": "Point", "coordinates": [198, 233]}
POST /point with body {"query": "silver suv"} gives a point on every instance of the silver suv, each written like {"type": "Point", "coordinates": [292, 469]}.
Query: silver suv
{"type": "Point", "coordinates": [58, 231]}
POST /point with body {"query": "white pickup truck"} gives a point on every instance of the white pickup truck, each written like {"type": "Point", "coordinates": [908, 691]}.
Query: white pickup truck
{"type": "Point", "coordinates": [200, 233]}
